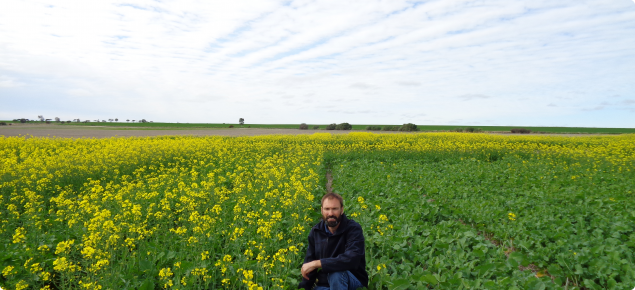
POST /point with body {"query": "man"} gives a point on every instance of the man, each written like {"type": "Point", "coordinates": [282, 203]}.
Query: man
{"type": "Point", "coordinates": [336, 255]}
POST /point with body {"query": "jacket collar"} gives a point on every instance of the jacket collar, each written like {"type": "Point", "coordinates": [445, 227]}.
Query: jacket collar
{"type": "Point", "coordinates": [341, 229]}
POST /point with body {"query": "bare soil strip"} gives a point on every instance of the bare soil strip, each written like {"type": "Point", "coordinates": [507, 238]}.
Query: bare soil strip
{"type": "Point", "coordinates": [107, 132]}
{"type": "Point", "coordinates": [69, 131]}
{"type": "Point", "coordinates": [329, 182]}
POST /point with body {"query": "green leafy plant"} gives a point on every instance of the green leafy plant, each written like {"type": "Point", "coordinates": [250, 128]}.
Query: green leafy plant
{"type": "Point", "coordinates": [343, 126]}
{"type": "Point", "coordinates": [408, 127]}
{"type": "Point", "coordinates": [520, 130]}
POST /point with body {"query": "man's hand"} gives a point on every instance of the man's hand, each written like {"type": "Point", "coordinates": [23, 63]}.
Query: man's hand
{"type": "Point", "coordinates": [309, 267]}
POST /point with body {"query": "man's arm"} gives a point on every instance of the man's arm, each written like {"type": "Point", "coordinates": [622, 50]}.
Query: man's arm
{"type": "Point", "coordinates": [308, 278]}
{"type": "Point", "coordinates": [307, 268]}
{"type": "Point", "coordinates": [352, 255]}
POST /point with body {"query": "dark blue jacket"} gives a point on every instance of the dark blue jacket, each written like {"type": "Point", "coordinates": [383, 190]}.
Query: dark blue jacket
{"type": "Point", "coordinates": [344, 250]}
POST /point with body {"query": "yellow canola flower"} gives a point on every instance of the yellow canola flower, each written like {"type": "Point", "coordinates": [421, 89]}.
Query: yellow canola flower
{"type": "Point", "coordinates": [63, 265]}
{"type": "Point", "coordinates": [63, 247]}
{"type": "Point", "coordinates": [21, 285]}
{"type": "Point", "coordinates": [8, 271]}
{"type": "Point", "coordinates": [19, 236]}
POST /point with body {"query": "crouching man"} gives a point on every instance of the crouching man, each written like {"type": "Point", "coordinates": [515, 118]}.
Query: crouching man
{"type": "Point", "coordinates": [336, 255]}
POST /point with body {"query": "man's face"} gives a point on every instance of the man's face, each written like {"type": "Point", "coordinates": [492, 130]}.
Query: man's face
{"type": "Point", "coordinates": [332, 212]}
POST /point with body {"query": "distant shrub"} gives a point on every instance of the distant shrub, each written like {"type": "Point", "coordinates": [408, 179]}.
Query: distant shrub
{"type": "Point", "coordinates": [22, 120]}
{"type": "Point", "coordinates": [316, 127]}
{"type": "Point", "coordinates": [343, 126]}
{"type": "Point", "coordinates": [331, 126]}
{"type": "Point", "coordinates": [304, 126]}
{"type": "Point", "coordinates": [521, 130]}
{"type": "Point", "coordinates": [231, 126]}
{"type": "Point", "coordinates": [473, 130]}
{"type": "Point", "coordinates": [3, 123]}
{"type": "Point", "coordinates": [408, 127]}
{"type": "Point", "coordinates": [468, 130]}
{"type": "Point", "coordinates": [387, 128]}
{"type": "Point", "coordinates": [373, 128]}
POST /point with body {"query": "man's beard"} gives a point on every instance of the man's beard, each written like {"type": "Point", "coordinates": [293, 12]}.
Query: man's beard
{"type": "Point", "coordinates": [332, 224]}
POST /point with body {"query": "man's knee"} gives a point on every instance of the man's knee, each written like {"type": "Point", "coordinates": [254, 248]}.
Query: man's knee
{"type": "Point", "coordinates": [338, 275]}
{"type": "Point", "coordinates": [338, 278]}
{"type": "Point", "coordinates": [343, 280]}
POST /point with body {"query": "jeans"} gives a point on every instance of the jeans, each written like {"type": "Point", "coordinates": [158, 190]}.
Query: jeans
{"type": "Point", "coordinates": [344, 280]}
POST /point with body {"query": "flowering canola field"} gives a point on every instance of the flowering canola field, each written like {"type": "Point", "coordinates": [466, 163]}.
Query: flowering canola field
{"type": "Point", "coordinates": [443, 211]}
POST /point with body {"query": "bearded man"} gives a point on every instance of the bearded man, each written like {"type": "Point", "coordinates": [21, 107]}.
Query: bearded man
{"type": "Point", "coordinates": [336, 255]}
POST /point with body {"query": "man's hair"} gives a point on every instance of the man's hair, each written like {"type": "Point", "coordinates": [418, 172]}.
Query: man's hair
{"type": "Point", "coordinates": [334, 195]}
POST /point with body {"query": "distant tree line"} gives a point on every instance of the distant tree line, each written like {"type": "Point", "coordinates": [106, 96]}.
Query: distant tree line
{"type": "Point", "coordinates": [41, 118]}
{"type": "Point", "coordinates": [409, 127]}
{"type": "Point", "coordinates": [346, 126]}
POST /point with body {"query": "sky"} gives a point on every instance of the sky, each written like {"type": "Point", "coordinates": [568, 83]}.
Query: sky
{"type": "Point", "coordinates": [443, 62]}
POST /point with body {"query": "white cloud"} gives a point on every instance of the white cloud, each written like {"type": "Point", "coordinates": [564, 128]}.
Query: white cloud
{"type": "Point", "coordinates": [468, 97]}
{"type": "Point", "coordinates": [322, 61]}
{"type": "Point", "coordinates": [8, 82]}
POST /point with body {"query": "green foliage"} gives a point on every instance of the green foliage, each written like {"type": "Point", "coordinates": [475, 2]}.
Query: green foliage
{"type": "Point", "coordinates": [316, 127]}
{"type": "Point", "coordinates": [343, 126]}
{"type": "Point", "coordinates": [390, 128]}
{"type": "Point", "coordinates": [520, 130]}
{"type": "Point", "coordinates": [304, 126]}
{"type": "Point", "coordinates": [468, 130]}
{"type": "Point", "coordinates": [331, 126]}
{"type": "Point", "coordinates": [408, 127]}
{"type": "Point", "coordinates": [572, 217]}
{"type": "Point", "coordinates": [373, 128]}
